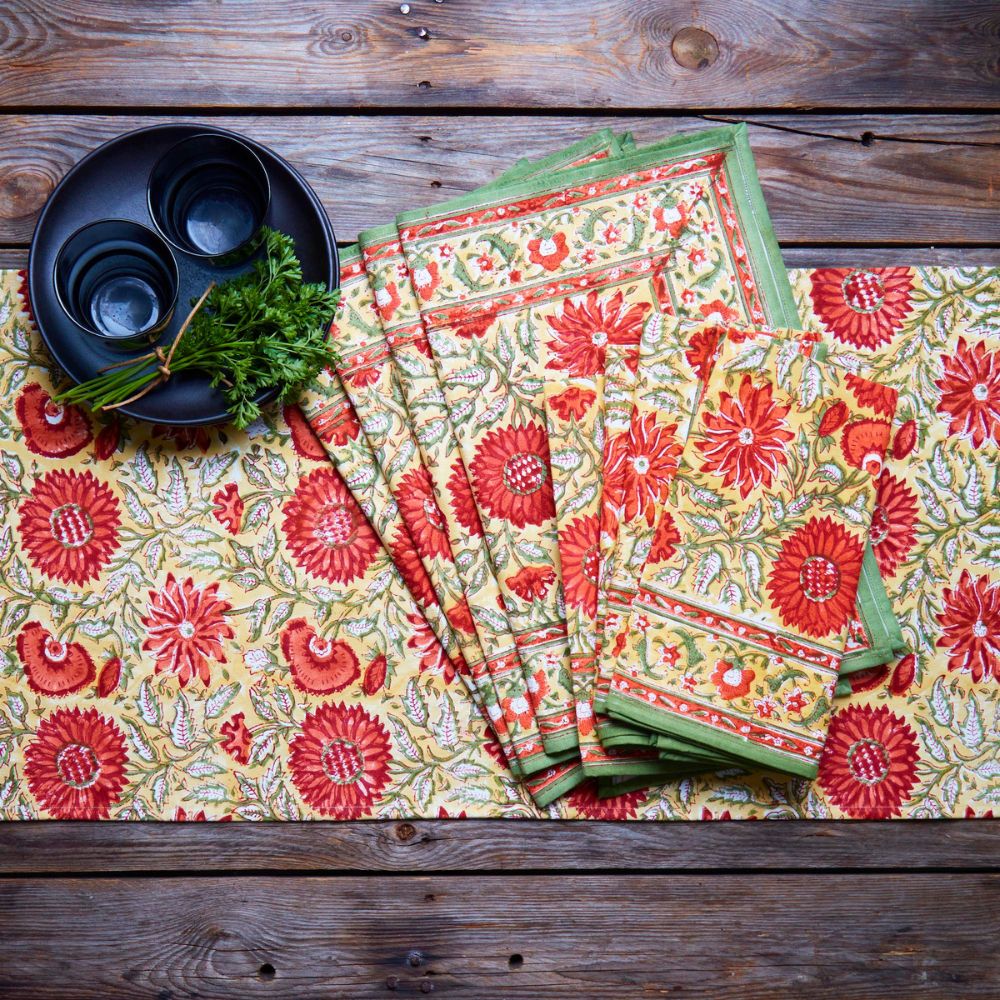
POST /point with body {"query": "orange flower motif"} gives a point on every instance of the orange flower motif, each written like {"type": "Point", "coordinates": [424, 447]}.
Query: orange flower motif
{"type": "Point", "coordinates": [548, 251]}
{"type": "Point", "coordinates": [228, 509]}
{"type": "Point", "coordinates": [732, 681]}
{"type": "Point", "coordinates": [580, 552]}
{"type": "Point", "coordinates": [51, 667]}
{"type": "Point", "coordinates": [532, 583]}
{"type": "Point", "coordinates": [894, 522]}
{"type": "Point", "coordinates": [573, 403]}
{"type": "Point", "coordinates": [864, 443]}
{"type": "Point", "coordinates": [538, 688]}
{"type": "Point", "coordinates": [319, 666]}
{"type": "Point", "coordinates": [51, 429]}
{"type": "Point", "coordinates": [873, 395]}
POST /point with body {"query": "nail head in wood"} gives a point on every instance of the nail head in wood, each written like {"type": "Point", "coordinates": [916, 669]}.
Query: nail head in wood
{"type": "Point", "coordinates": [694, 48]}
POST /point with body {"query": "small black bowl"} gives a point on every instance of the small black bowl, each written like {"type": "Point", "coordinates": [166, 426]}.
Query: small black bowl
{"type": "Point", "coordinates": [208, 196]}
{"type": "Point", "coordinates": [117, 280]}
{"type": "Point", "coordinates": [111, 182]}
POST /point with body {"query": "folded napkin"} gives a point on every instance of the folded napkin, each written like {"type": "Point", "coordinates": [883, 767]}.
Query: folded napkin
{"type": "Point", "coordinates": [748, 590]}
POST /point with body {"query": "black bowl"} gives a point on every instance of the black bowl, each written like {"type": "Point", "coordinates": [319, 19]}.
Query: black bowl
{"type": "Point", "coordinates": [110, 183]}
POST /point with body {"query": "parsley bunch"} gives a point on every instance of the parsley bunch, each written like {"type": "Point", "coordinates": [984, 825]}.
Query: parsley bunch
{"type": "Point", "coordinates": [261, 330]}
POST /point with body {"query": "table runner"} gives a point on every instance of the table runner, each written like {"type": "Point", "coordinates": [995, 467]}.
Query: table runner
{"type": "Point", "coordinates": [193, 510]}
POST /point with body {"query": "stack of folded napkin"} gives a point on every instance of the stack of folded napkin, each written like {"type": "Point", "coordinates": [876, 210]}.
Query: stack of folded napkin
{"type": "Point", "coordinates": [631, 501]}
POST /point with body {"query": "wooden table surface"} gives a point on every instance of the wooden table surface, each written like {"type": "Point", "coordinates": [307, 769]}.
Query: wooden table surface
{"type": "Point", "coordinates": [876, 133]}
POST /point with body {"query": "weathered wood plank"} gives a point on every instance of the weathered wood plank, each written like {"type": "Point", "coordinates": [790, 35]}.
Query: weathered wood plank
{"type": "Point", "coordinates": [795, 256]}
{"type": "Point", "coordinates": [518, 936]}
{"type": "Point", "coordinates": [485, 845]}
{"type": "Point", "coordinates": [565, 53]}
{"type": "Point", "coordinates": [822, 183]}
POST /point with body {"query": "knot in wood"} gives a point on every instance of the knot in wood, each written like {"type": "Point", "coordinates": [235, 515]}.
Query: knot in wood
{"type": "Point", "coordinates": [405, 832]}
{"type": "Point", "coordinates": [694, 48]}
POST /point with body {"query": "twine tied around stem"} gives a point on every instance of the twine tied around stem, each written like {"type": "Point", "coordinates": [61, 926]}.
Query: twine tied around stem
{"type": "Point", "coordinates": [158, 355]}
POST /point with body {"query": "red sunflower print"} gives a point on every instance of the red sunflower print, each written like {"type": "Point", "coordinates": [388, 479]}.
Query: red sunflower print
{"type": "Point", "coordinates": [580, 552]}
{"type": "Point", "coordinates": [584, 330]}
{"type": "Point", "coordinates": [185, 625]}
{"type": "Point", "coordinates": [52, 667]}
{"type": "Point", "coordinates": [814, 580]}
{"type": "Point", "coordinates": [387, 300]}
{"type": "Point", "coordinates": [362, 376]}
{"type": "Point", "coordinates": [665, 539]}
{"type": "Point", "coordinates": [411, 569]}
{"type": "Point", "coordinates": [429, 650]}
{"type": "Point", "coordinates": [69, 525]}
{"type": "Point", "coordinates": [864, 442]}
{"type": "Point", "coordinates": [585, 800]}
{"type": "Point", "coordinates": [532, 583]}
{"type": "Point", "coordinates": [745, 439]}
{"type": "Point", "coordinates": [548, 251]}
{"type": "Point", "coordinates": [970, 623]}
{"type": "Point", "coordinates": [863, 308]}
{"type": "Point", "coordinates": [236, 738]}
{"type": "Point", "coordinates": [653, 456]}
{"type": "Point", "coordinates": [511, 473]}
{"type": "Point", "coordinates": [573, 403]}
{"type": "Point", "coordinates": [336, 425]}
{"type": "Point", "coordinates": [701, 351]}
{"type": "Point", "coordinates": [731, 680]}
{"type": "Point", "coordinates": [462, 502]}
{"type": "Point", "coordinates": [873, 395]}
{"type": "Point", "coordinates": [422, 516]}
{"type": "Point", "coordinates": [50, 429]}
{"type": "Point", "coordinates": [75, 765]}
{"type": "Point", "coordinates": [228, 509]}
{"type": "Point", "coordinates": [970, 393]}
{"type": "Point", "coordinates": [319, 666]}
{"type": "Point", "coordinates": [869, 763]}
{"type": "Point", "coordinates": [339, 762]}
{"type": "Point", "coordinates": [894, 522]}
{"type": "Point", "coordinates": [327, 533]}
{"type": "Point", "coordinates": [426, 279]}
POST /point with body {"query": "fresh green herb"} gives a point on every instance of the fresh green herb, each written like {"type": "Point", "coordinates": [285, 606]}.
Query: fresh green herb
{"type": "Point", "coordinates": [264, 329]}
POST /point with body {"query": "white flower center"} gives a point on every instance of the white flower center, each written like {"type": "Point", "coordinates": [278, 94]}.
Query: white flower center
{"type": "Point", "coordinates": [745, 436]}
{"type": "Point", "coordinates": [733, 676]}
{"type": "Point", "coordinates": [979, 629]}
{"type": "Point", "coordinates": [186, 629]}
{"type": "Point", "coordinates": [641, 464]}
{"type": "Point", "coordinates": [980, 391]}
{"type": "Point", "coordinates": [547, 246]}
{"type": "Point", "coordinates": [599, 339]}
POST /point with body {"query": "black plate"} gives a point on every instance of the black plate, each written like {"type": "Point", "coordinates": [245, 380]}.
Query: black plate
{"type": "Point", "coordinates": [110, 183]}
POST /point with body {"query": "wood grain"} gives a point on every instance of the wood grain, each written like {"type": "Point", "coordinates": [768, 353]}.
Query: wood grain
{"type": "Point", "coordinates": [516, 936]}
{"type": "Point", "coordinates": [935, 184]}
{"type": "Point", "coordinates": [601, 54]}
{"type": "Point", "coordinates": [489, 845]}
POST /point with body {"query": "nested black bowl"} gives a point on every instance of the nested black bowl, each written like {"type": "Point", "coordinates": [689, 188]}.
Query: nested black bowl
{"type": "Point", "coordinates": [111, 183]}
